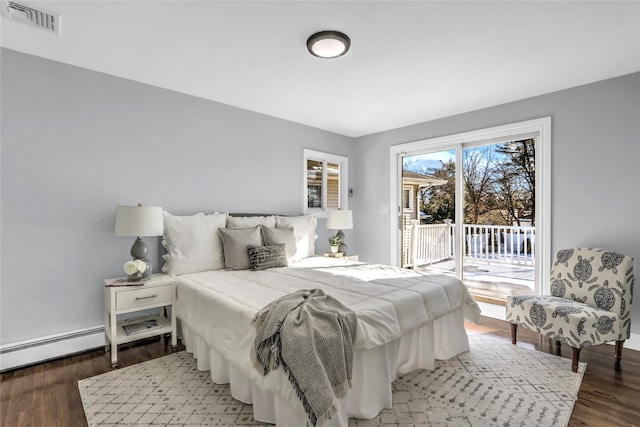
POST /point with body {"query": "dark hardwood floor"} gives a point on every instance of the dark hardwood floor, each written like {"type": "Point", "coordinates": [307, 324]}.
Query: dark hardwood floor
{"type": "Point", "coordinates": [47, 394]}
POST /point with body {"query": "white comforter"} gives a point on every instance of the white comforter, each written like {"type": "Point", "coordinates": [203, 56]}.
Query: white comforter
{"type": "Point", "coordinates": [389, 302]}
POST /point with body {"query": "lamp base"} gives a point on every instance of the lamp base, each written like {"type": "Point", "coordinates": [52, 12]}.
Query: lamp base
{"type": "Point", "coordinates": [139, 251]}
{"type": "Point", "coordinates": [147, 272]}
{"type": "Point", "coordinates": [343, 246]}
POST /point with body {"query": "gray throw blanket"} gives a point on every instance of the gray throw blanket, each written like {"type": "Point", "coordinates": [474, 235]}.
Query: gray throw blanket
{"type": "Point", "coordinates": [311, 335]}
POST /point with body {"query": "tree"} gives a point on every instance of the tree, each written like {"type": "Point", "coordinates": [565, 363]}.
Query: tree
{"type": "Point", "coordinates": [477, 172]}
{"type": "Point", "coordinates": [439, 201]}
{"type": "Point", "coordinates": [499, 182]}
{"type": "Point", "coordinates": [507, 194]}
{"type": "Point", "coordinates": [517, 178]}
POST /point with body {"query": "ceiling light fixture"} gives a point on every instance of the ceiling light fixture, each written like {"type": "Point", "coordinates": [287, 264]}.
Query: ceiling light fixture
{"type": "Point", "coordinates": [328, 44]}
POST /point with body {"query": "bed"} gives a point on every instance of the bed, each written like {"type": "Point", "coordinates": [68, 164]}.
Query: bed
{"type": "Point", "coordinates": [406, 320]}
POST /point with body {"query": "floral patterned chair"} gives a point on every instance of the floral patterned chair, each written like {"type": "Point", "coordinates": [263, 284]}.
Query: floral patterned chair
{"type": "Point", "coordinates": [590, 302]}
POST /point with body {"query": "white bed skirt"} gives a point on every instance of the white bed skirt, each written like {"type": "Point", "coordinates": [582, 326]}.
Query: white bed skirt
{"type": "Point", "coordinates": [373, 372]}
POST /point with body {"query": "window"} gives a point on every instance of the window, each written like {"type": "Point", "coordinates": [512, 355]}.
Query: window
{"type": "Point", "coordinates": [407, 199]}
{"type": "Point", "coordinates": [325, 182]}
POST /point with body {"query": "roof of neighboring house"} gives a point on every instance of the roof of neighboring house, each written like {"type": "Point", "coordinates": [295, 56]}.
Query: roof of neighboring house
{"type": "Point", "coordinates": [421, 180]}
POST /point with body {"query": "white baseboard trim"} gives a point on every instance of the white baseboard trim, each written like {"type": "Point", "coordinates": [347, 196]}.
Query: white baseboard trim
{"type": "Point", "coordinates": [498, 312]}
{"type": "Point", "coordinates": [28, 352]}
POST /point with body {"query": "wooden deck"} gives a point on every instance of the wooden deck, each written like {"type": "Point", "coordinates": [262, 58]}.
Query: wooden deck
{"type": "Point", "coordinates": [490, 283]}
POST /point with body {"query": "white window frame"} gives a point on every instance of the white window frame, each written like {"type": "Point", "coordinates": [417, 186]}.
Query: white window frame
{"type": "Point", "coordinates": [540, 129]}
{"type": "Point", "coordinates": [411, 196]}
{"type": "Point", "coordinates": [343, 186]}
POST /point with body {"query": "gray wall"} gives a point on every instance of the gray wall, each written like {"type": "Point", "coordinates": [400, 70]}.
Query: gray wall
{"type": "Point", "coordinates": [595, 178]}
{"type": "Point", "coordinates": [76, 143]}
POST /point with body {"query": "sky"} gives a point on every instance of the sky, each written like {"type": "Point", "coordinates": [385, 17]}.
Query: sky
{"type": "Point", "coordinates": [424, 163]}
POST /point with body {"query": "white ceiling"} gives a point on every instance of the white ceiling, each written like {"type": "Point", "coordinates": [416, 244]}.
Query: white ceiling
{"type": "Point", "coordinates": [409, 61]}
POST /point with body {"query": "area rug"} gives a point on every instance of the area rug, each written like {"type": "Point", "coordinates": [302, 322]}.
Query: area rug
{"type": "Point", "coordinates": [495, 384]}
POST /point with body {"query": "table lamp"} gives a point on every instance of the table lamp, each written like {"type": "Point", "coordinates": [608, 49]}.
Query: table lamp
{"type": "Point", "coordinates": [340, 220]}
{"type": "Point", "coordinates": [139, 221]}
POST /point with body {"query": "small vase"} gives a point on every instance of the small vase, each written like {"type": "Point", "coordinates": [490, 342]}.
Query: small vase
{"type": "Point", "coordinates": [334, 249]}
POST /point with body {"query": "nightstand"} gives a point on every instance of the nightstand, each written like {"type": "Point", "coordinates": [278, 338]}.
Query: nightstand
{"type": "Point", "coordinates": [159, 292]}
{"type": "Point", "coordinates": [339, 255]}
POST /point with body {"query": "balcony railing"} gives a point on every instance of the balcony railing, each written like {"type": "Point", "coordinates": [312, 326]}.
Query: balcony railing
{"type": "Point", "coordinates": [492, 244]}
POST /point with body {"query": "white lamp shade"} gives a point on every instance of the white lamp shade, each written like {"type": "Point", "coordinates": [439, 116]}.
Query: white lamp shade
{"type": "Point", "coordinates": [138, 221]}
{"type": "Point", "coordinates": [339, 220]}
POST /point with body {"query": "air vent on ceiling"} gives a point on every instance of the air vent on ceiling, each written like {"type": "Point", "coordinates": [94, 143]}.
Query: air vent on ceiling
{"type": "Point", "coordinates": [34, 16]}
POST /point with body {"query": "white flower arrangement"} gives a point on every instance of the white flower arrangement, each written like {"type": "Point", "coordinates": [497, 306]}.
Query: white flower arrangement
{"type": "Point", "coordinates": [135, 267]}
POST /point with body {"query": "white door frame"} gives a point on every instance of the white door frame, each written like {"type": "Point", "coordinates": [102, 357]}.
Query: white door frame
{"type": "Point", "coordinates": [540, 129]}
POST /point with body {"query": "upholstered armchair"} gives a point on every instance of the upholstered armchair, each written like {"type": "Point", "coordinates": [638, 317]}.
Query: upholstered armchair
{"type": "Point", "coordinates": [590, 302]}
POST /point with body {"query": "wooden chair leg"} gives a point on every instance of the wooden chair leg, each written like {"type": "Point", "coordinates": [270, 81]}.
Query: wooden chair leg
{"type": "Point", "coordinates": [558, 348]}
{"type": "Point", "coordinates": [514, 331]}
{"type": "Point", "coordinates": [619, 345]}
{"type": "Point", "coordinates": [575, 358]}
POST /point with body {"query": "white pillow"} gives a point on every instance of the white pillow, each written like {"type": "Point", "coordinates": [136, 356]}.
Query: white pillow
{"type": "Point", "coordinates": [304, 228]}
{"type": "Point", "coordinates": [251, 221]}
{"type": "Point", "coordinates": [193, 243]}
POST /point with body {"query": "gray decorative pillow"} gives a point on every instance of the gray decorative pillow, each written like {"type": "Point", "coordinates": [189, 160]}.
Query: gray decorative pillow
{"type": "Point", "coordinates": [235, 243]}
{"type": "Point", "coordinates": [275, 236]}
{"type": "Point", "coordinates": [263, 257]}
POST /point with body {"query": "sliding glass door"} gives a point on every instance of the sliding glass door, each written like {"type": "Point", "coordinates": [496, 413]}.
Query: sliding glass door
{"type": "Point", "coordinates": [428, 221]}
{"type": "Point", "coordinates": [469, 211]}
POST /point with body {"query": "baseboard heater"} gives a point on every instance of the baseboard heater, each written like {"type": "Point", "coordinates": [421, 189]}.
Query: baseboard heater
{"type": "Point", "coordinates": [37, 350]}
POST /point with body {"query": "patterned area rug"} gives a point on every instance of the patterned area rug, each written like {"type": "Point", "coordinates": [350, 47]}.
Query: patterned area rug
{"type": "Point", "coordinates": [495, 384]}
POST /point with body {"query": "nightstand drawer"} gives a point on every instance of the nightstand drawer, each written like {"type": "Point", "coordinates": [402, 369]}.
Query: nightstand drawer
{"type": "Point", "coordinates": [143, 297]}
